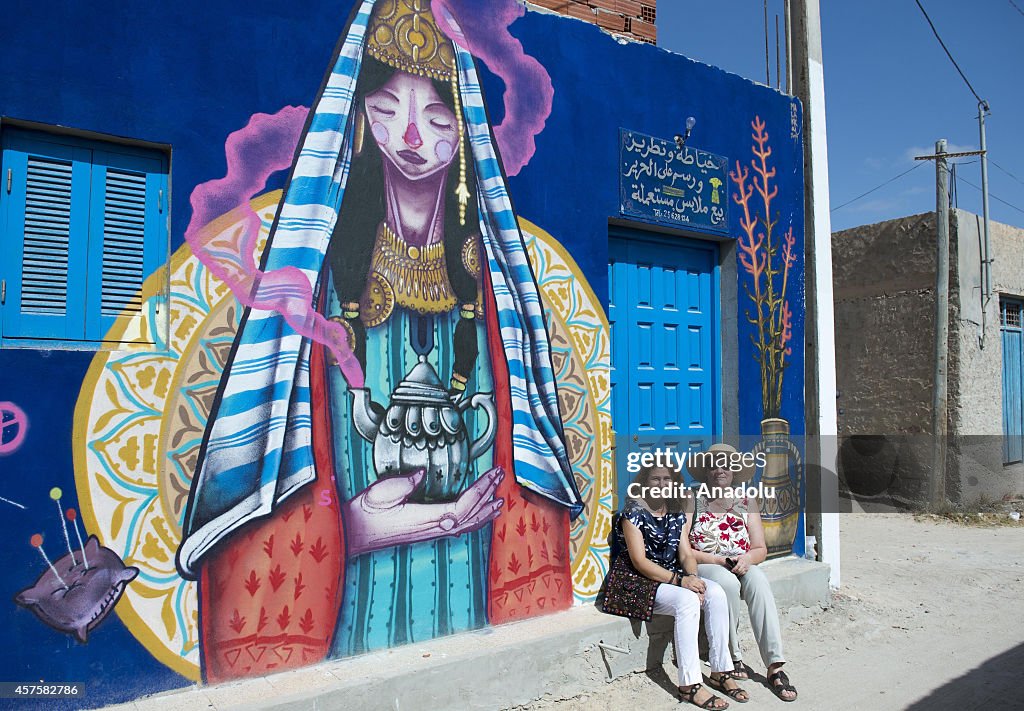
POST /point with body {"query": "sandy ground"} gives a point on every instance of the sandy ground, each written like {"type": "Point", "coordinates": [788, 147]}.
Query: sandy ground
{"type": "Point", "coordinates": [930, 615]}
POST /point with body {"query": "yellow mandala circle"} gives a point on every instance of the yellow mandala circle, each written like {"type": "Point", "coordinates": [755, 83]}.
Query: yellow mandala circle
{"type": "Point", "coordinates": [581, 356]}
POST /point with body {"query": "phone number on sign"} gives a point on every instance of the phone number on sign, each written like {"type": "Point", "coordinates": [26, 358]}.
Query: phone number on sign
{"type": "Point", "coordinates": [18, 690]}
{"type": "Point", "coordinates": [660, 214]}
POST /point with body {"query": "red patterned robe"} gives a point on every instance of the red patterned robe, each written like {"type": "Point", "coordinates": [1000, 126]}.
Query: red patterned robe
{"type": "Point", "coordinates": [270, 594]}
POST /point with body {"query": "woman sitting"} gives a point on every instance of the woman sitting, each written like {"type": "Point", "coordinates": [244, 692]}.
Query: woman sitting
{"type": "Point", "coordinates": [727, 539]}
{"type": "Point", "coordinates": [650, 530]}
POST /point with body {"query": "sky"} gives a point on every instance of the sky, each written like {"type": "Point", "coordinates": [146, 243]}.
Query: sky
{"type": "Point", "coordinates": [890, 93]}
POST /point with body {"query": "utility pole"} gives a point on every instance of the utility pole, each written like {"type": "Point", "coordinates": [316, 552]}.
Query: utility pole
{"type": "Point", "coordinates": [983, 111]}
{"type": "Point", "coordinates": [940, 402]}
{"type": "Point", "coordinates": [788, 12]}
{"type": "Point", "coordinates": [937, 489]}
{"type": "Point", "coordinates": [987, 258]}
{"type": "Point", "coordinates": [767, 64]}
{"type": "Point", "coordinates": [821, 414]}
{"type": "Point", "coordinates": [778, 66]}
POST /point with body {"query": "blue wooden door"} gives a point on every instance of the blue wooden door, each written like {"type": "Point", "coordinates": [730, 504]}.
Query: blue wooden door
{"type": "Point", "coordinates": [1013, 369]}
{"type": "Point", "coordinates": [663, 312]}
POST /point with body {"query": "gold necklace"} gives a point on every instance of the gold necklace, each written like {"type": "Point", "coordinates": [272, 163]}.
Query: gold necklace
{"type": "Point", "coordinates": [409, 276]}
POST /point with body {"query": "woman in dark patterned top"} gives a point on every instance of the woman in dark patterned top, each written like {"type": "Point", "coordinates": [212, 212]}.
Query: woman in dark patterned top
{"type": "Point", "coordinates": [649, 530]}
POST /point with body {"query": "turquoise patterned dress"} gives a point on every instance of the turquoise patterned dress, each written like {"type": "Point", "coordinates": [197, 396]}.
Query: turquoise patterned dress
{"type": "Point", "coordinates": [413, 592]}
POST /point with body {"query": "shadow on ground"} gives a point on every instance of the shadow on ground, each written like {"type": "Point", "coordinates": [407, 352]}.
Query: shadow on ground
{"type": "Point", "coordinates": [994, 684]}
{"type": "Point", "coordinates": [659, 634]}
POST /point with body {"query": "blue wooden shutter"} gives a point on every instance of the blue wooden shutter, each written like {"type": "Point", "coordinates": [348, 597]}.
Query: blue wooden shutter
{"type": "Point", "coordinates": [81, 228]}
{"type": "Point", "coordinates": [45, 233]}
{"type": "Point", "coordinates": [1013, 395]}
{"type": "Point", "coordinates": [125, 236]}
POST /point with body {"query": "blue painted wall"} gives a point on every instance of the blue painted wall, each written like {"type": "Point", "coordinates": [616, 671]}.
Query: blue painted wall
{"type": "Point", "coordinates": [570, 186]}
{"type": "Point", "coordinates": [188, 74]}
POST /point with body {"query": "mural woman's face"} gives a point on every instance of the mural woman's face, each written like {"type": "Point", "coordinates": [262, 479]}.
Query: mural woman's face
{"type": "Point", "coordinates": [413, 127]}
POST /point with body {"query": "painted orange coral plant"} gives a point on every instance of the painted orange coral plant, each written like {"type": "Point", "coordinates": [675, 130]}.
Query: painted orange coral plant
{"type": "Point", "coordinates": [768, 260]}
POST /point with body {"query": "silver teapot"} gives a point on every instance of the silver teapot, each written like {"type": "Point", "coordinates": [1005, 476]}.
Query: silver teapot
{"type": "Point", "coordinates": [422, 428]}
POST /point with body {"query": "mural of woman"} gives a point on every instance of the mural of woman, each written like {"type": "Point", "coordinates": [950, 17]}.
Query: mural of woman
{"type": "Point", "coordinates": [346, 497]}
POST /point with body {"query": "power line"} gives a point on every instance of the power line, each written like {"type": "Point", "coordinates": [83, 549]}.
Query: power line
{"type": "Point", "coordinates": [1016, 7]}
{"type": "Point", "coordinates": [877, 187]}
{"type": "Point", "coordinates": [994, 197]}
{"type": "Point", "coordinates": [953, 186]}
{"type": "Point", "coordinates": [936, 33]}
{"type": "Point", "coordinates": [1006, 171]}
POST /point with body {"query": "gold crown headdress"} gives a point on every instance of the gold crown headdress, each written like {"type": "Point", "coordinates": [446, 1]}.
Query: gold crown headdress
{"type": "Point", "coordinates": [403, 34]}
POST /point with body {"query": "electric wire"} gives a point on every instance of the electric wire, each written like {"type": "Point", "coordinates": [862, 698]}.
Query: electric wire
{"type": "Point", "coordinates": [952, 196]}
{"type": "Point", "coordinates": [1006, 171]}
{"type": "Point", "coordinates": [936, 33]}
{"type": "Point", "coordinates": [954, 186]}
{"type": "Point", "coordinates": [1016, 7]}
{"type": "Point", "coordinates": [877, 187]}
{"type": "Point", "coordinates": [994, 197]}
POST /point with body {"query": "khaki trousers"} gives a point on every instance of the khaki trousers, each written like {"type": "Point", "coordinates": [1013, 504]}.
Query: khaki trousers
{"type": "Point", "coordinates": [754, 589]}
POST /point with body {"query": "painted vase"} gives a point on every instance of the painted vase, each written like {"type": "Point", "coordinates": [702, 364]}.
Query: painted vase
{"type": "Point", "coordinates": [780, 515]}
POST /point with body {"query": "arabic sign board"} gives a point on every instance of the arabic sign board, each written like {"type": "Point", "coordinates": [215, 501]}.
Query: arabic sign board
{"type": "Point", "coordinates": [681, 187]}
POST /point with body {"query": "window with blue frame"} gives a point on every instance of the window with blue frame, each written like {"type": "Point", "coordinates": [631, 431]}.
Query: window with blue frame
{"type": "Point", "coordinates": [83, 223]}
{"type": "Point", "coordinates": [1013, 379]}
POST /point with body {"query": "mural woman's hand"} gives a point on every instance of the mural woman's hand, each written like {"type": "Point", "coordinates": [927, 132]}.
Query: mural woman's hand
{"type": "Point", "coordinates": [381, 515]}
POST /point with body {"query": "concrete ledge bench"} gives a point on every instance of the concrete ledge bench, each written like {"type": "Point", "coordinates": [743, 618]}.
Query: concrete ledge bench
{"type": "Point", "coordinates": [564, 654]}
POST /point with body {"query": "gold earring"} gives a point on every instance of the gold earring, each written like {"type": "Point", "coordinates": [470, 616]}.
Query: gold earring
{"type": "Point", "coordinates": [360, 132]}
{"type": "Point", "coordinates": [462, 191]}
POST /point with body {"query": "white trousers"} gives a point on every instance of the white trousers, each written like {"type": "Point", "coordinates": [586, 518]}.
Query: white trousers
{"type": "Point", "coordinates": [684, 605]}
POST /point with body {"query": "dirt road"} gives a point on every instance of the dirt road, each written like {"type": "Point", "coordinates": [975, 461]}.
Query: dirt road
{"type": "Point", "coordinates": [930, 616]}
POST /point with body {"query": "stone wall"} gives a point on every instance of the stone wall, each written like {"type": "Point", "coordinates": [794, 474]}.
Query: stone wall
{"type": "Point", "coordinates": [884, 283]}
{"type": "Point", "coordinates": [884, 279]}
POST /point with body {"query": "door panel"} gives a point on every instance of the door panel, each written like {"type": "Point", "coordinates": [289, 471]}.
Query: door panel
{"type": "Point", "coordinates": [664, 325]}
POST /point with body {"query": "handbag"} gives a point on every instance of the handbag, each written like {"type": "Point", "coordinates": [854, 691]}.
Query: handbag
{"type": "Point", "coordinates": [627, 593]}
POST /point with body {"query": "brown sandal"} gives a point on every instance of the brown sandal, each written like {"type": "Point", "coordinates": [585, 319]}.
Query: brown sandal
{"type": "Point", "coordinates": [734, 694]}
{"type": "Point", "coordinates": [740, 671]}
{"type": "Point", "coordinates": [710, 703]}
{"type": "Point", "coordinates": [782, 685]}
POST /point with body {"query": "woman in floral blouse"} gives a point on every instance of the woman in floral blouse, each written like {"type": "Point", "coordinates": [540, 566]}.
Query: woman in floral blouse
{"type": "Point", "coordinates": [727, 539]}
{"type": "Point", "coordinates": [652, 530]}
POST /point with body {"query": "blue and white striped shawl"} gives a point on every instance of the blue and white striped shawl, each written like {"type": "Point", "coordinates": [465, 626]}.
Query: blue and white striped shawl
{"type": "Point", "coordinates": [258, 445]}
